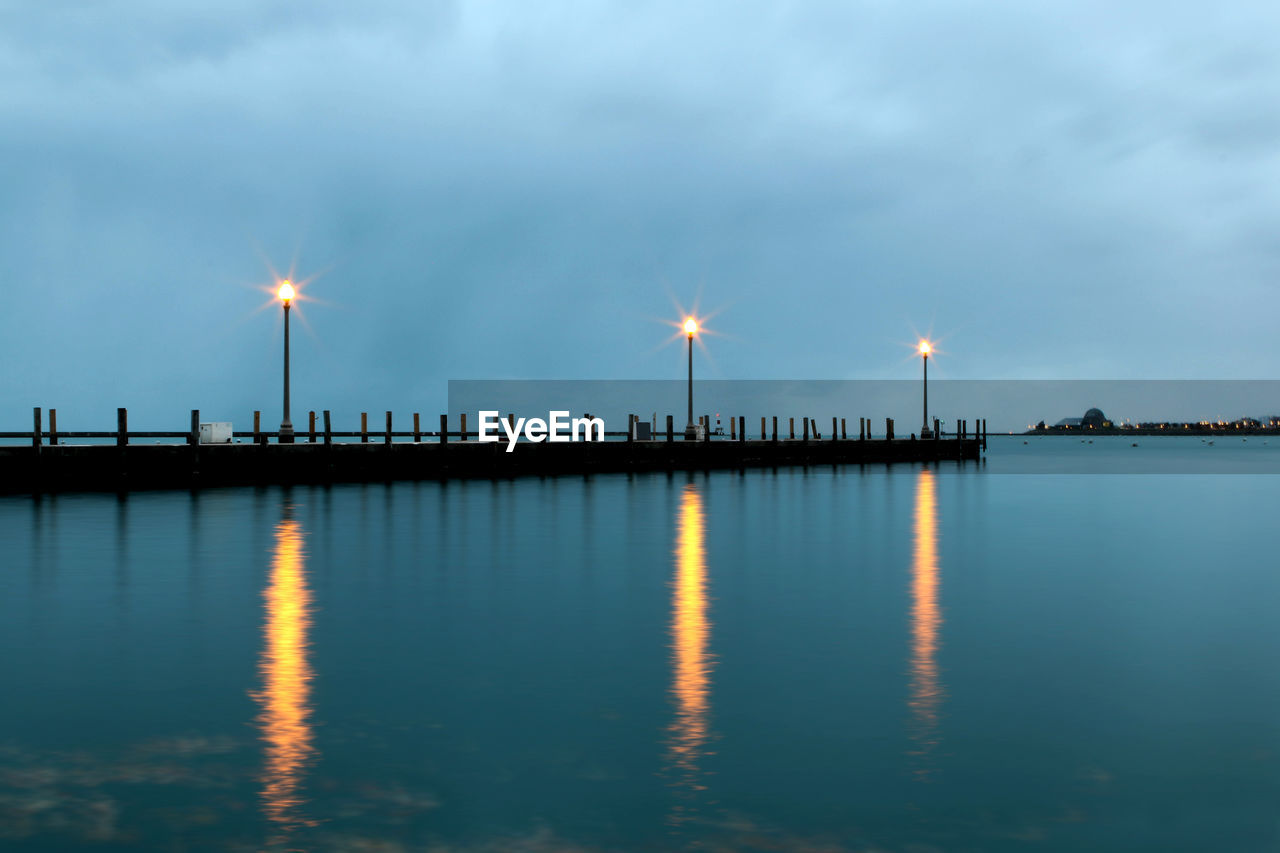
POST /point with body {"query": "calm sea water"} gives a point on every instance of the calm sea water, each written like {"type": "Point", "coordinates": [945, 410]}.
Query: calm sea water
{"type": "Point", "coordinates": [905, 659]}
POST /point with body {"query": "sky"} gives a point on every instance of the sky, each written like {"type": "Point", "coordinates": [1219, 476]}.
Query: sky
{"type": "Point", "coordinates": [535, 190]}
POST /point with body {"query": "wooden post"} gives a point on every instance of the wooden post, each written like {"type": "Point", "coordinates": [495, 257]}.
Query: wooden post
{"type": "Point", "coordinates": [733, 429]}
{"type": "Point", "coordinates": [862, 429]}
{"type": "Point", "coordinates": [984, 433]}
{"type": "Point", "coordinates": [844, 435]}
{"type": "Point", "coordinates": [257, 426]}
{"type": "Point", "coordinates": [706, 428]}
{"type": "Point", "coordinates": [35, 432]}
{"type": "Point", "coordinates": [631, 427]}
{"type": "Point", "coordinates": [387, 440]}
{"type": "Point", "coordinates": [763, 434]}
{"type": "Point", "coordinates": [671, 432]}
{"type": "Point", "coordinates": [806, 428]}
{"type": "Point", "coordinates": [311, 426]}
{"type": "Point", "coordinates": [53, 427]}
{"type": "Point", "coordinates": [328, 431]}
{"type": "Point", "coordinates": [834, 436]}
{"type": "Point", "coordinates": [417, 431]}
{"type": "Point", "coordinates": [462, 430]}
{"type": "Point", "coordinates": [775, 429]}
{"type": "Point", "coordinates": [793, 428]}
{"type": "Point", "coordinates": [444, 429]}
{"type": "Point", "coordinates": [742, 427]}
{"type": "Point", "coordinates": [364, 427]}
{"type": "Point", "coordinates": [888, 428]}
{"type": "Point", "coordinates": [122, 427]}
{"type": "Point", "coordinates": [193, 437]}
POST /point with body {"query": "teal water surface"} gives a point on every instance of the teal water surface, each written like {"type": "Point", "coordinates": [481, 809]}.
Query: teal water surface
{"type": "Point", "coordinates": [905, 659]}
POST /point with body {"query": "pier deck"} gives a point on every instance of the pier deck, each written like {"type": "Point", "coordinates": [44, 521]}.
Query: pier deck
{"type": "Point", "coordinates": [64, 467]}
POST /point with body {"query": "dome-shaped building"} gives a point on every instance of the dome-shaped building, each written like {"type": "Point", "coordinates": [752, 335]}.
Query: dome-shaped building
{"type": "Point", "coordinates": [1094, 419]}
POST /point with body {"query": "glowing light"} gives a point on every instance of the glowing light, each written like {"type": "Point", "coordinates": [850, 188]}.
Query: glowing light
{"type": "Point", "coordinates": [284, 722]}
{"type": "Point", "coordinates": [925, 348]}
{"type": "Point", "coordinates": [926, 622]}
{"type": "Point", "coordinates": [691, 658]}
{"type": "Point", "coordinates": [690, 327]}
{"type": "Point", "coordinates": [286, 291]}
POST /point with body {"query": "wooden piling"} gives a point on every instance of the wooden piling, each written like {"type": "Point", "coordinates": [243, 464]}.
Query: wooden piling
{"type": "Point", "coordinates": [417, 431]}
{"type": "Point", "coordinates": [328, 431]}
{"type": "Point", "coordinates": [775, 429]}
{"type": "Point", "coordinates": [444, 429]}
{"type": "Point", "coordinates": [387, 440]}
{"type": "Point", "coordinates": [706, 428]}
{"type": "Point", "coordinates": [463, 428]}
{"type": "Point", "coordinates": [793, 428]}
{"type": "Point", "coordinates": [888, 428]}
{"type": "Point", "coordinates": [631, 428]}
{"type": "Point", "coordinates": [193, 437]}
{"type": "Point", "coordinates": [834, 434]}
{"type": "Point", "coordinates": [35, 432]}
{"type": "Point", "coordinates": [53, 427]}
{"type": "Point", "coordinates": [364, 427]}
{"type": "Point", "coordinates": [671, 429]}
{"type": "Point", "coordinates": [742, 427]}
{"type": "Point", "coordinates": [806, 428]}
{"type": "Point", "coordinates": [311, 426]}
{"type": "Point", "coordinates": [122, 427]}
{"type": "Point", "coordinates": [844, 435]}
{"type": "Point", "coordinates": [733, 429]}
{"type": "Point", "coordinates": [763, 435]}
{"type": "Point", "coordinates": [257, 426]}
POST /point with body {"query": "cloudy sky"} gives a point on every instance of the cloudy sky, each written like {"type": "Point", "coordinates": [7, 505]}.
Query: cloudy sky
{"type": "Point", "coordinates": [512, 190]}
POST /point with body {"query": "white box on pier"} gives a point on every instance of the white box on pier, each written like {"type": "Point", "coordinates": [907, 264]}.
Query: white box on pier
{"type": "Point", "coordinates": [215, 433]}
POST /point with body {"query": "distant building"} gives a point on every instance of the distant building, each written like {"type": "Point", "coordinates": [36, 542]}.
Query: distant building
{"type": "Point", "coordinates": [1094, 419]}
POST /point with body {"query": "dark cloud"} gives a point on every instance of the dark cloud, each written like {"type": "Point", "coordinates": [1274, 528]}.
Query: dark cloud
{"type": "Point", "coordinates": [1065, 192]}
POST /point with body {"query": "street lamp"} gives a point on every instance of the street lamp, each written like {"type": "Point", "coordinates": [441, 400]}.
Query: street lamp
{"type": "Point", "coordinates": [286, 294]}
{"type": "Point", "coordinates": [925, 349]}
{"type": "Point", "coordinates": [690, 328]}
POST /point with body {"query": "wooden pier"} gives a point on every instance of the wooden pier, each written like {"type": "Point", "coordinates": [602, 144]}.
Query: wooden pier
{"type": "Point", "coordinates": [322, 455]}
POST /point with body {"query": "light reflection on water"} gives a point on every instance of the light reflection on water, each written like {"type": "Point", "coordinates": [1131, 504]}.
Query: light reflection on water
{"type": "Point", "coordinates": [691, 659]}
{"type": "Point", "coordinates": [926, 689]}
{"type": "Point", "coordinates": [285, 695]}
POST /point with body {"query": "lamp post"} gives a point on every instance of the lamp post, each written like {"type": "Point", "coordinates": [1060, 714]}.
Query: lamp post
{"type": "Point", "coordinates": [690, 328]}
{"type": "Point", "coordinates": [286, 294]}
{"type": "Point", "coordinates": [925, 349]}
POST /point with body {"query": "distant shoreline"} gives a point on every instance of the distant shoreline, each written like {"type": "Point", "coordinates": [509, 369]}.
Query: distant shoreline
{"type": "Point", "coordinates": [1147, 431]}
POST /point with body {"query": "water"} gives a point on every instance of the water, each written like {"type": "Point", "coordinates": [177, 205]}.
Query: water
{"type": "Point", "coordinates": [901, 659]}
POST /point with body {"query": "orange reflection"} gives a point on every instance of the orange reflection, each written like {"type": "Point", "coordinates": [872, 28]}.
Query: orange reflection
{"type": "Point", "coordinates": [926, 623]}
{"type": "Point", "coordinates": [286, 676]}
{"type": "Point", "coordinates": [691, 658]}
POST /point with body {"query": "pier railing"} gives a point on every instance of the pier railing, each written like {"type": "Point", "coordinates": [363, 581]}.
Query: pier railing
{"type": "Point", "coordinates": [319, 429]}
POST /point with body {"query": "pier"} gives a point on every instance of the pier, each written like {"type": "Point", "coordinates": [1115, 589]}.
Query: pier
{"type": "Point", "coordinates": [320, 454]}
